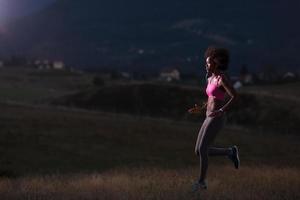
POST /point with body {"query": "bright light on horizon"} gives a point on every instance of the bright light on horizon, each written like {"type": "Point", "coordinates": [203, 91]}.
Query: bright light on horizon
{"type": "Point", "coordinates": [4, 10]}
{"type": "Point", "coordinates": [10, 9]}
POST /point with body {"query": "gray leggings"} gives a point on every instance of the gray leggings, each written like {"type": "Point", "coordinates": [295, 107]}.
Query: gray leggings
{"type": "Point", "coordinates": [208, 131]}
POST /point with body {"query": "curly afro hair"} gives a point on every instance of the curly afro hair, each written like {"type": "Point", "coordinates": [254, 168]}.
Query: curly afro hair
{"type": "Point", "coordinates": [219, 55]}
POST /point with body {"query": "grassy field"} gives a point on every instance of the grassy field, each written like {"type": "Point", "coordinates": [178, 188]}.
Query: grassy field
{"type": "Point", "coordinates": [50, 152]}
{"type": "Point", "coordinates": [261, 182]}
{"type": "Point", "coordinates": [59, 153]}
{"type": "Point", "coordinates": [21, 84]}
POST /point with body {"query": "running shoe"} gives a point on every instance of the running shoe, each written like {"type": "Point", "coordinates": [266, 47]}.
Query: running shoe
{"type": "Point", "coordinates": [234, 157]}
{"type": "Point", "coordinates": [199, 184]}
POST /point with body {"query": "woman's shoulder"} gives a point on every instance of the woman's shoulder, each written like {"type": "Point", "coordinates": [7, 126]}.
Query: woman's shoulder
{"type": "Point", "coordinates": [224, 77]}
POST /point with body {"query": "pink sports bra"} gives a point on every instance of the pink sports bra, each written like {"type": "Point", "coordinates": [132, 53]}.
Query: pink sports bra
{"type": "Point", "coordinates": [212, 89]}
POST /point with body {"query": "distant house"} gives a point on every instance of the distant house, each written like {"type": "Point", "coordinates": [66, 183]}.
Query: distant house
{"type": "Point", "coordinates": [141, 51]}
{"type": "Point", "coordinates": [237, 85]}
{"type": "Point", "coordinates": [125, 75]}
{"type": "Point", "coordinates": [46, 64]}
{"type": "Point", "coordinates": [169, 74]}
{"type": "Point", "coordinates": [37, 62]}
{"type": "Point", "coordinates": [288, 76]}
{"type": "Point", "coordinates": [58, 65]}
{"type": "Point", "coordinates": [42, 64]}
{"type": "Point", "coordinates": [236, 82]}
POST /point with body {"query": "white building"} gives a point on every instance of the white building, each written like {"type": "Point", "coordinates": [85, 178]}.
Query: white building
{"type": "Point", "coordinates": [125, 75]}
{"type": "Point", "coordinates": [170, 75]}
{"type": "Point", "coordinates": [58, 65]}
{"type": "Point", "coordinates": [237, 85]}
{"type": "Point", "coordinates": [289, 75]}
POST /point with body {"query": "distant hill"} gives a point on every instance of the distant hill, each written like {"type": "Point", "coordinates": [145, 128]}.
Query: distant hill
{"type": "Point", "coordinates": [254, 108]}
{"type": "Point", "coordinates": [137, 34]}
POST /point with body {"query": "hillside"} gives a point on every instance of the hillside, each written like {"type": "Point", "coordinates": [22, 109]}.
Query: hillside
{"type": "Point", "coordinates": [253, 109]}
{"type": "Point", "coordinates": [67, 152]}
{"type": "Point", "coordinates": [257, 107]}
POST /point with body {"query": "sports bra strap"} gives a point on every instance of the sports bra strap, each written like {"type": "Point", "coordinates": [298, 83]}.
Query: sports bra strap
{"type": "Point", "coordinates": [218, 80]}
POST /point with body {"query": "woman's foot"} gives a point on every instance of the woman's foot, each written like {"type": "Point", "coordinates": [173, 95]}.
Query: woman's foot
{"type": "Point", "coordinates": [199, 184]}
{"type": "Point", "coordinates": [234, 156]}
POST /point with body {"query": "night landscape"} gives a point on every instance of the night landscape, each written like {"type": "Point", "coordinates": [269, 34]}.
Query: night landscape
{"type": "Point", "coordinates": [94, 98]}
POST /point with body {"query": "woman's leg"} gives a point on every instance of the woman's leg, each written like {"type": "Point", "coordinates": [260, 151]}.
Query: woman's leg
{"type": "Point", "coordinates": [214, 151]}
{"type": "Point", "coordinates": [207, 134]}
{"type": "Point", "coordinates": [200, 136]}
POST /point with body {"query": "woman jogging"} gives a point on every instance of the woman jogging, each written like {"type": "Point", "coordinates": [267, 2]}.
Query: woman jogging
{"type": "Point", "coordinates": [218, 85]}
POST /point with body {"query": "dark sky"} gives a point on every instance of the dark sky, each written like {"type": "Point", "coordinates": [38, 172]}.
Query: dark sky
{"type": "Point", "coordinates": [16, 8]}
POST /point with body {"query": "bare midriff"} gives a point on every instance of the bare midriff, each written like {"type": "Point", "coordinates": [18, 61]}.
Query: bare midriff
{"type": "Point", "coordinates": [213, 104]}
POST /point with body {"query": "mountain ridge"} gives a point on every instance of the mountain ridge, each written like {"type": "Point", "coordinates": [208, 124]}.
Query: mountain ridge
{"type": "Point", "coordinates": [154, 34]}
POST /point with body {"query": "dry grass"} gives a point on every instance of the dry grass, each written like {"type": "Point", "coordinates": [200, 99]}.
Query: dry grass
{"type": "Point", "coordinates": [224, 182]}
{"type": "Point", "coordinates": [61, 153]}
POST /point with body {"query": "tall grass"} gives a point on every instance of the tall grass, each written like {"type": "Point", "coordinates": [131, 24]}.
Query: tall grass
{"type": "Point", "coordinates": [259, 182]}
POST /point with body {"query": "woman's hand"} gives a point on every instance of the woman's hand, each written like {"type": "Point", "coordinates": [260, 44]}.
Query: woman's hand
{"type": "Point", "coordinates": [216, 113]}
{"type": "Point", "coordinates": [195, 109]}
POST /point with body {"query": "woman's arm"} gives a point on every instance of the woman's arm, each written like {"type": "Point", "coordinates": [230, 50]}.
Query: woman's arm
{"type": "Point", "coordinates": [197, 108]}
{"type": "Point", "coordinates": [224, 81]}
